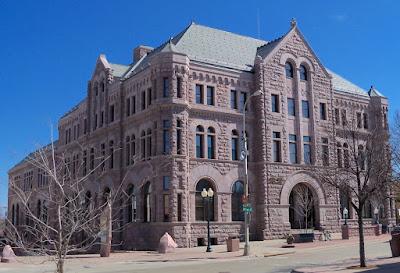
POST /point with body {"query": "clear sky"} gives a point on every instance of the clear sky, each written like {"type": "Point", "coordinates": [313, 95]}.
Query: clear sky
{"type": "Point", "coordinates": [48, 49]}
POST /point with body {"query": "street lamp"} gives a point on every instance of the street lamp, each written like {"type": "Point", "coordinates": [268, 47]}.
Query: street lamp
{"type": "Point", "coordinates": [246, 177]}
{"type": "Point", "coordinates": [376, 212]}
{"type": "Point", "coordinates": [345, 215]}
{"type": "Point", "coordinates": [207, 196]}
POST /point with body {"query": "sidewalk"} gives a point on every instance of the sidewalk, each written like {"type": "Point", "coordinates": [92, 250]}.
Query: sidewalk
{"type": "Point", "coordinates": [386, 265]}
{"type": "Point", "coordinates": [259, 249]}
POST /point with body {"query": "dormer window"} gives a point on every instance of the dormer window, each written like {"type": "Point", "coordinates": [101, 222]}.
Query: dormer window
{"type": "Point", "coordinates": [303, 73]}
{"type": "Point", "coordinates": [289, 70]}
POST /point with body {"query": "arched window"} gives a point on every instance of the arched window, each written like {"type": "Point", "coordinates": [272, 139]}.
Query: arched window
{"type": "Point", "coordinates": [96, 89]}
{"type": "Point", "coordinates": [236, 201]}
{"type": "Point", "coordinates": [289, 70]}
{"type": "Point", "coordinates": [339, 155]}
{"type": "Point", "coordinates": [201, 206]}
{"type": "Point", "coordinates": [131, 204]}
{"type": "Point", "coordinates": [143, 144]}
{"type": "Point", "coordinates": [211, 143]}
{"type": "Point", "coordinates": [128, 150]}
{"type": "Point", "coordinates": [149, 143]}
{"type": "Point", "coordinates": [199, 141]}
{"type": "Point", "coordinates": [345, 201]}
{"type": "Point", "coordinates": [235, 145]}
{"type": "Point", "coordinates": [303, 73]}
{"type": "Point", "coordinates": [346, 159]}
{"type": "Point", "coordinates": [102, 86]}
{"type": "Point", "coordinates": [147, 202]}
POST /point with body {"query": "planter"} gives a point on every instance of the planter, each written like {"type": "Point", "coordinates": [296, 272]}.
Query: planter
{"type": "Point", "coordinates": [303, 237]}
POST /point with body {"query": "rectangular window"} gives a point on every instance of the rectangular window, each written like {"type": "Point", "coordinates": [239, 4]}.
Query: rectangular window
{"type": "Point", "coordinates": [344, 117]}
{"type": "Point", "coordinates": [134, 105]}
{"type": "Point", "coordinates": [95, 122]}
{"type": "Point", "coordinates": [166, 137]}
{"type": "Point", "coordinates": [337, 116]}
{"type": "Point", "coordinates": [166, 182]}
{"type": "Point", "coordinates": [149, 98]}
{"type": "Point", "coordinates": [179, 87]}
{"type": "Point", "coordinates": [242, 100]}
{"type": "Point", "coordinates": [165, 87]}
{"type": "Point", "coordinates": [112, 113]}
{"type": "Point", "coordinates": [179, 207]}
{"type": "Point", "coordinates": [143, 100]}
{"type": "Point", "coordinates": [179, 137]}
{"type": "Point", "coordinates": [128, 107]}
{"type": "Point", "coordinates": [322, 111]}
{"type": "Point", "coordinates": [199, 146]}
{"type": "Point", "coordinates": [210, 95]}
{"type": "Point", "coordinates": [101, 118]}
{"type": "Point", "coordinates": [85, 125]}
{"type": "Point", "coordinates": [111, 151]}
{"type": "Point", "coordinates": [293, 149]}
{"type": "Point", "coordinates": [276, 147]}
{"type": "Point", "coordinates": [307, 149]}
{"type": "Point", "coordinates": [359, 122]}
{"type": "Point", "coordinates": [365, 117]}
{"type": "Point", "coordinates": [306, 109]}
{"type": "Point", "coordinates": [325, 151]}
{"type": "Point", "coordinates": [234, 104]}
{"type": "Point", "coordinates": [275, 103]}
{"type": "Point", "coordinates": [210, 147]}
{"type": "Point", "coordinates": [235, 148]}
{"type": "Point", "coordinates": [291, 107]}
{"type": "Point", "coordinates": [166, 207]}
{"type": "Point", "coordinates": [199, 94]}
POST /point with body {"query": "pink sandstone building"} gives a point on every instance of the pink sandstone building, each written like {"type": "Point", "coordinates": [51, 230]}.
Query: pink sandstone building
{"type": "Point", "coordinates": [171, 124]}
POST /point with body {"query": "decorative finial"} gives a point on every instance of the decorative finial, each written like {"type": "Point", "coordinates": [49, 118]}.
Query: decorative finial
{"type": "Point", "coordinates": [293, 23]}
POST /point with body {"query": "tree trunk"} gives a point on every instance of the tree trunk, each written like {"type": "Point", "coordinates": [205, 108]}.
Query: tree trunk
{"type": "Point", "coordinates": [60, 266]}
{"type": "Point", "coordinates": [361, 237]}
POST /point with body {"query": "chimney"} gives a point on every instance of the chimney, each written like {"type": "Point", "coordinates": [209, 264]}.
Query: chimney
{"type": "Point", "coordinates": [140, 51]}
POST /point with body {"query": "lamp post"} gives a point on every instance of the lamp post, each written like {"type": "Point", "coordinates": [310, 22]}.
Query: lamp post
{"type": "Point", "coordinates": [207, 196]}
{"type": "Point", "coordinates": [376, 212]}
{"type": "Point", "coordinates": [345, 215]}
{"type": "Point", "coordinates": [246, 177]}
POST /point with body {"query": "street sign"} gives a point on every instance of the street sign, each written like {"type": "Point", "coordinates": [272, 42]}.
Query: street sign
{"type": "Point", "coordinates": [247, 207]}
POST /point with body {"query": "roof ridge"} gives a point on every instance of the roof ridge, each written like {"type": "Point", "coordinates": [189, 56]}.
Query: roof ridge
{"type": "Point", "coordinates": [229, 32]}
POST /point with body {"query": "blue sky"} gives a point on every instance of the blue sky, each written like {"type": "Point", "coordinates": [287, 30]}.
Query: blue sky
{"type": "Point", "coordinates": [48, 49]}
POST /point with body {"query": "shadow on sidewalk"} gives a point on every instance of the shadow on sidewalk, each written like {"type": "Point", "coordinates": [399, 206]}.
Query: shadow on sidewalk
{"type": "Point", "coordinates": [386, 268]}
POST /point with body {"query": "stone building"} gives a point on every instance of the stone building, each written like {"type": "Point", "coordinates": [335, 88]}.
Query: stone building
{"type": "Point", "coordinates": [171, 125]}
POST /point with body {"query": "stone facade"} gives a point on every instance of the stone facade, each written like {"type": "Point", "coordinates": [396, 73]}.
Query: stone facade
{"type": "Point", "coordinates": [144, 117]}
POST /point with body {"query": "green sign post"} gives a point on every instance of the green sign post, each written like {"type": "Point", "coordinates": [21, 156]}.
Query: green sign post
{"type": "Point", "coordinates": [247, 208]}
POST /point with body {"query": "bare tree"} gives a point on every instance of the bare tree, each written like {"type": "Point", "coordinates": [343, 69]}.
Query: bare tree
{"type": "Point", "coordinates": [304, 202]}
{"type": "Point", "coordinates": [60, 216]}
{"type": "Point", "coordinates": [363, 170]}
{"type": "Point", "coordinates": [68, 218]}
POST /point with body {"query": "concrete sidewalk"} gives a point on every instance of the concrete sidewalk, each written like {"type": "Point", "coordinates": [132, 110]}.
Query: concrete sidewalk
{"type": "Point", "coordinates": [385, 265]}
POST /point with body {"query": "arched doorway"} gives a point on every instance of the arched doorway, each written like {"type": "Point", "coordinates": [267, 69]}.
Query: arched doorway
{"type": "Point", "coordinates": [303, 205]}
{"type": "Point", "coordinates": [201, 206]}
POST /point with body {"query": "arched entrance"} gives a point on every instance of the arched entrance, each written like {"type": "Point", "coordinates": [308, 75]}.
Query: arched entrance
{"type": "Point", "coordinates": [303, 205]}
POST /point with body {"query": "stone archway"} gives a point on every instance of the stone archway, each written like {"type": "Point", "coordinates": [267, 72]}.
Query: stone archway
{"type": "Point", "coordinates": [303, 206]}
{"type": "Point", "coordinates": [316, 192]}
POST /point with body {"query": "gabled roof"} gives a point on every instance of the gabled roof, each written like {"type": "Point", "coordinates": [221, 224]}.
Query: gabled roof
{"type": "Point", "coordinates": [218, 47]}
{"type": "Point", "coordinates": [373, 92]}
{"type": "Point", "coordinates": [118, 70]}
{"type": "Point", "coordinates": [225, 49]}
{"type": "Point", "coordinates": [340, 84]}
